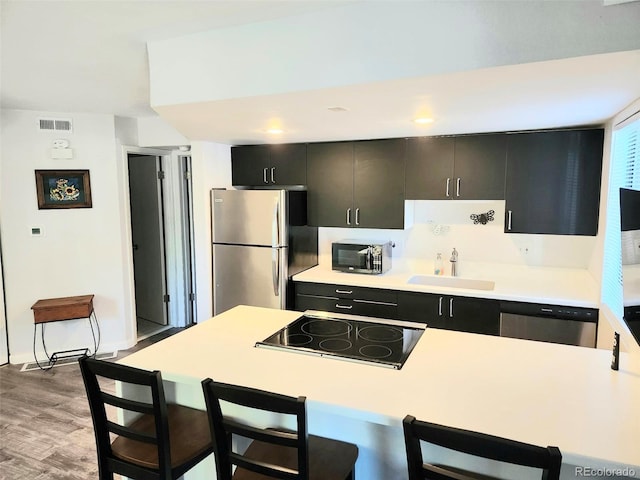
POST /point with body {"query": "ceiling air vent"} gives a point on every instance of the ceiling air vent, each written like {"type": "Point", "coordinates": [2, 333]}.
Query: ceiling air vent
{"type": "Point", "coordinates": [55, 125]}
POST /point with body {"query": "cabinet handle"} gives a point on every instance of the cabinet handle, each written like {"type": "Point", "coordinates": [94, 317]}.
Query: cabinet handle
{"type": "Point", "coordinates": [509, 220]}
{"type": "Point", "coordinates": [273, 174]}
{"type": "Point", "coordinates": [264, 175]}
{"type": "Point", "coordinates": [348, 216]}
{"type": "Point", "coordinates": [440, 307]}
{"type": "Point", "coordinates": [448, 183]}
{"type": "Point", "coordinates": [458, 187]}
{"type": "Point", "coordinates": [346, 292]}
{"type": "Point", "coordinates": [344, 307]}
{"type": "Point", "coordinates": [357, 216]}
{"type": "Point", "coordinates": [451, 308]}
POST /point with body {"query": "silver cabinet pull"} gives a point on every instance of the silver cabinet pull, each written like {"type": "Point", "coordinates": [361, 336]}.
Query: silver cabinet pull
{"type": "Point", "coordinates": [348, 216]}
{"type": "Point", "coordinates": [440, 307]}
{"type": "Point", "coordinates": [273, 174]}
{"type": "Point", "coordinates": [451, 308]}
{"type": "Point", "coordinates": [448, 184]}
{"type": "Point", "coordinates": [357, 216]}
{"type": "Point", "coordinates": [345, 307]}
{"type": "Point", "coordinates": [264, 175]}
{"type": "Point", "coordinates": [346, 292]}
{"type": "Point", "coordinates": [509, 220]}
{"type": "Point", "coordinates": [458, 187]}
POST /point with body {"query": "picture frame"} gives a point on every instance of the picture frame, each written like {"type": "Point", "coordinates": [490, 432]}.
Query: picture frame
{"type": "Point", "coordinates": [63, 189]}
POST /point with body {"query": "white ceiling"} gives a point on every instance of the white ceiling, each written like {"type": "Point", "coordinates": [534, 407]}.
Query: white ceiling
{"type": "Point", "coordinates": [90, 56]}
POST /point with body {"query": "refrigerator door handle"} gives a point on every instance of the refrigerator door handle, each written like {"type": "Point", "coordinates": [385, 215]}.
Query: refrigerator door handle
{"type": "Point", "coordinates": [275, 225]}
{"type": "Point", "coordinates": [275, 271]}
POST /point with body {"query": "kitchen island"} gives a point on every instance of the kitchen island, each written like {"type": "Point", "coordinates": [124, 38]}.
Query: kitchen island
{"type": "Point", "coordinates": [541, 393]}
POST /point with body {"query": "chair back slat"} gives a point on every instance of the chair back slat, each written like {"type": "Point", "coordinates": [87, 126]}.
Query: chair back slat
{"type": "Point", "coordinates": [223, 428]}
{"type": "Point", "coordinates": [547, 459]}
{"type": "Point", "coordinates": [127, 404]}
{"type": "Point", "coordinates": [133, 434]}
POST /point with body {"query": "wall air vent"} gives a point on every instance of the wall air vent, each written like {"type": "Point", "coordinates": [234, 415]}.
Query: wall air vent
{"type": "Point", "coordinates": [55, 125]}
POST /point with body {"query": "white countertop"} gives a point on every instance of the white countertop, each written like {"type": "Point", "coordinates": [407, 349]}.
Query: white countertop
{"type": "Point", "coordinates": [551, 285]}
{"type": "Point", "coordinates": [541, 393]}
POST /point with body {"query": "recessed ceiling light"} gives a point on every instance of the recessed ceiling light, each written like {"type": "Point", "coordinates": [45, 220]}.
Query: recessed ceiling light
{"type": "Point", "coordinates": [423, 120]}
{"type": "Point", "coordinates": [275, 131]}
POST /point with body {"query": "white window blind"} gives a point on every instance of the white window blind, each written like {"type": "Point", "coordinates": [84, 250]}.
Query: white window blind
{"type": "Point", "coordinates": [625, 173]}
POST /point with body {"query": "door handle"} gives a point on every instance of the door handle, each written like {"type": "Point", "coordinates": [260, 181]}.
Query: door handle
{"type": "Point", "coordinates": [344, 307]}
{"type": "Point", "coordinates": [357, 216]}
{"type": "Point", "coordinates": [509, 220]}
{"type": "Point", "coordinates": [448, 184]}
{"type": "Point", "coordinates": [275, 270]}
{"type": "Point", "coordinates": [440, 307]}
{"type": "Point", "coordinates": [451, 308]}
{"type": "Point", "coordinates": [348, 216]}
{"type": "Point", "coordinates": [264, 175]}
{"type": "Point", "coordinates": [458, 187]}
{"type": "Point", "coordinates": [345, 292]}
{"type": "Point", "coordinates": [273, 174]}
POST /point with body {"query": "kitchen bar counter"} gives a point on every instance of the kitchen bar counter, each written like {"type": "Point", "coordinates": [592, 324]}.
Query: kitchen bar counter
{"type": "Point", "coordinates": [553, 285]}
{"type": "Point", "coordinates": [535, 392]}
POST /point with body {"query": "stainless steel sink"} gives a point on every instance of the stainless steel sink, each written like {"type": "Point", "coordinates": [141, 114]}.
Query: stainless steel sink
{"type": "Point", "coordinates": [452, 282]}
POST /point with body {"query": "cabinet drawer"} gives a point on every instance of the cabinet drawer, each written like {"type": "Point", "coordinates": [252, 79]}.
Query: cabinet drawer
{"type": "Point", "coordinates": [346, 305]}
{"type": "Point", "coordinates": [347, 291]}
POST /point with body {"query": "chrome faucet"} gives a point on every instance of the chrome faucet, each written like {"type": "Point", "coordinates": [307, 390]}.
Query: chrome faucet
{"type": "Point", "coordinates": [454, 263]}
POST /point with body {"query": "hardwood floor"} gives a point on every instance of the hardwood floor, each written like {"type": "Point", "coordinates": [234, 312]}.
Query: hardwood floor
{"type": "Point", "coordinates": [45, 424]}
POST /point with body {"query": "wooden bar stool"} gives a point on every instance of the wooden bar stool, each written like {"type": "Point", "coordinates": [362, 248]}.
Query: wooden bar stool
{"type": "Point", "coordinates": [547, 459]}
{"type": "Point", "coordinates": [273, 452]}
{"type": "Point", "coordinates": [161, 442]}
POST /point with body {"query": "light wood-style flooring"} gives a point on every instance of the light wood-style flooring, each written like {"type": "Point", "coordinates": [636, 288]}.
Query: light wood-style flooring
{"type": "Point", "coordinates": [45, 424]}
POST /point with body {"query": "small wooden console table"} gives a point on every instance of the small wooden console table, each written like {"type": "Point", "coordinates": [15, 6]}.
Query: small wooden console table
{"type": "Point", "coordinates": [60, 309]}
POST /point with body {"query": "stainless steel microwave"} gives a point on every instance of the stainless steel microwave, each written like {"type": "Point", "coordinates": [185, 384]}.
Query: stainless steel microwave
{"type": "Point", "coordinates": [361, 257]}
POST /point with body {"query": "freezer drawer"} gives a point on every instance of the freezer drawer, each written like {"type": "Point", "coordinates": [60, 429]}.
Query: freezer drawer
{"type": "Point", "coordinates": [246, 275]}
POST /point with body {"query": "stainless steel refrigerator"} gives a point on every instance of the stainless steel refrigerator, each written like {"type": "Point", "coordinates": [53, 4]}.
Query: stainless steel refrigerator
{"type": "Point", "coordinates": [260, 240]}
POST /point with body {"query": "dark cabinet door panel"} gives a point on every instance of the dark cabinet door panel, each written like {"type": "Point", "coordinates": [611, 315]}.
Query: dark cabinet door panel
{"type": "Point", "coordinates": [288, 164]}
{"type": "Point", "coordinates": [330, 184]}
{"type": "Point", "coordinates": [249, 164]}
{"type": "Point", "coordinates": [429, 168]}
{"type": "Point", "coordinates": [379, 183]}
{"type": "Point", "coordinates": [480, 164]}
{"type": "Point", "coordinates": [269, 165]}
{"type": "Point", "coordinates": [553, 182]}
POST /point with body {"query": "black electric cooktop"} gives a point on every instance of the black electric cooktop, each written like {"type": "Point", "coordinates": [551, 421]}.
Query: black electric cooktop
{"type": "Point", "coordinates": [375, 341]}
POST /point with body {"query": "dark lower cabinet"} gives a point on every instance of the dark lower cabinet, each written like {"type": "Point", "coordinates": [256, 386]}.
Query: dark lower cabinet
{"type": "Point", "coordinates": [553, 182]}
{"type": "Point", "coordinates": [370, 302]}
{"type": "Point", "coordinates": [463, 314]}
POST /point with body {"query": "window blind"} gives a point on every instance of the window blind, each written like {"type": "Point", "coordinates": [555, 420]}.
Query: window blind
{"type": "Point", "coordinates": [625, 173]}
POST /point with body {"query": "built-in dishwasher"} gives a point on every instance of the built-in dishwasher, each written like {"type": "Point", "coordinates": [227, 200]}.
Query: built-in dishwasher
{"type": "Point", "coordinates": [549, 323]}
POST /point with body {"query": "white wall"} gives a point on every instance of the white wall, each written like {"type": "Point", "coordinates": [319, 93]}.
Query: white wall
{"type": "Point", "coordinates": [211, 168]}
{"type": "Point", "coordinates": [81, 251]}
{"type": "Point", "coordinates": [155, 132]}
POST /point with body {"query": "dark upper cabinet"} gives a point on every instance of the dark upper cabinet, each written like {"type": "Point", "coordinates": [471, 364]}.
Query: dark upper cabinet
{"type": "Point", "coordinates": [470, 167]}
{"type": "Point", "coordinates": [463, 314]}
{"type": "Point", "coordinates": [356, 184]}
{"type": "Point", "coordinates": [553, 182]}
{"type": "Point", "coordinates": [269, 165]}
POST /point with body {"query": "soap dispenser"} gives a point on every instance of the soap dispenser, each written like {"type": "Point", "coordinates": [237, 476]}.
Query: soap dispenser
{"type": "Point", "coordinates": [438, 267]}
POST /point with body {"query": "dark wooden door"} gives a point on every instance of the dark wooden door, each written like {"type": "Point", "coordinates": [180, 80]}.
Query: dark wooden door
{"type": "Point", "coordinates": [553, 182]}
{"type": "Point", "coordinates": [429, 168]}
{"type": "Point", "coordinates": [330, 184]}
{"type": "Point", "coordinates": [379, 183]}
{"type": "Point", "coordinates": [480, 165]}
{"type": "Point", "coordinates": [473, 315]}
